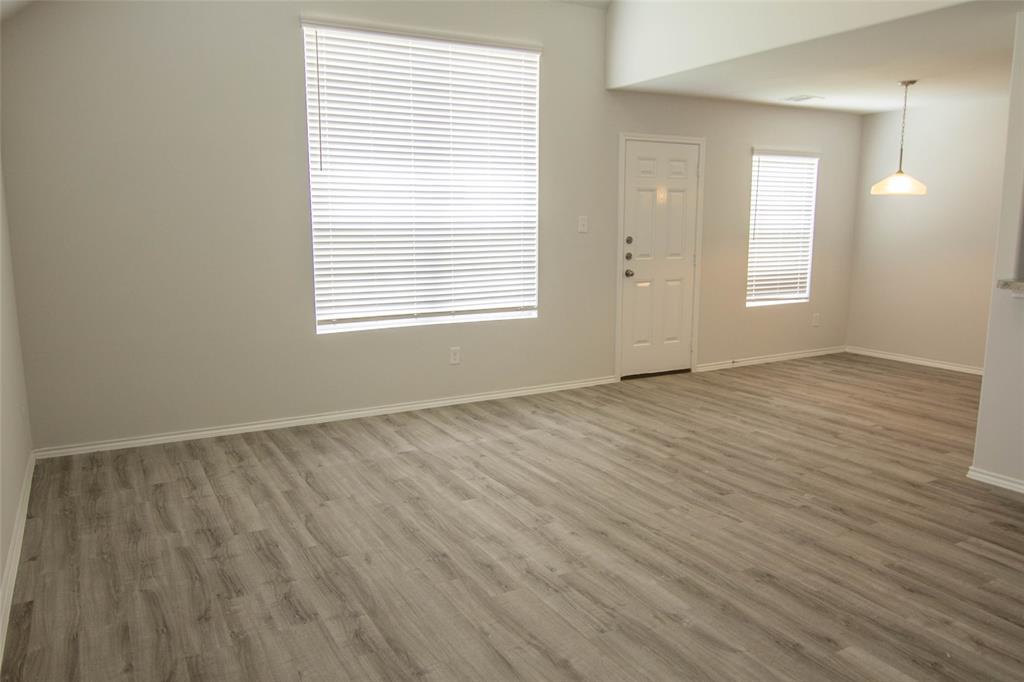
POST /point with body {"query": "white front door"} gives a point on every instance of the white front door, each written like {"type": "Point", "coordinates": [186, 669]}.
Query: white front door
{"type": "Point", "coordinates": [656, 274]}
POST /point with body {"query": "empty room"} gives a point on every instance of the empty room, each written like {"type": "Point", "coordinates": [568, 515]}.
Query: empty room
{"type": "Point", "coordinates": [512, 340]}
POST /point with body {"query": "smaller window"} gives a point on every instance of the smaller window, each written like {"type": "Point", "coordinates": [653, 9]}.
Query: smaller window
{"type": "Point", "coordinates": [782, 197]}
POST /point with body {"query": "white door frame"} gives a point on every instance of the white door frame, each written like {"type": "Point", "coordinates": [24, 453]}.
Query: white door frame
{"type": "Point", "coordinates": [621, 250]}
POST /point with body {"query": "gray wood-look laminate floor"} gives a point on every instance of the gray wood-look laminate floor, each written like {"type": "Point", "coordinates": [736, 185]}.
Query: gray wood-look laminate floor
{"type": "Point", "coordinates": [805, 520]}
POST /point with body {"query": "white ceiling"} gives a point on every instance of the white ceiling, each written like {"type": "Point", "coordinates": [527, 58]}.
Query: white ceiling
{"type": "Point", "coordinates": [957, 51]}
{"type": "Point", "coordinates": [963, 50]}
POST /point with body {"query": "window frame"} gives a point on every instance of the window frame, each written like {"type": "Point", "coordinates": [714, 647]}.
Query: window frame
{"type": "Point", "coordinates": [454, 315]}
{"type": "Point", "coordinates": [805, 297]}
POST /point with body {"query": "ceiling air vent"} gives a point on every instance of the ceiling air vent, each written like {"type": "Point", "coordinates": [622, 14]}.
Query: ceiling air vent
{"type": "Point", "coordinates": [803, 98]}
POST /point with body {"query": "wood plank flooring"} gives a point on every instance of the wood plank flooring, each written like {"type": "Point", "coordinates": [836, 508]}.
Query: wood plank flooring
{"type": "Point", "coordinates": [805, 520]}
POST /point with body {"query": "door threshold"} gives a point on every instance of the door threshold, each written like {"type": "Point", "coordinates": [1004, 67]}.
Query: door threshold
{"type": "Point", "coordinates": [648, 375]}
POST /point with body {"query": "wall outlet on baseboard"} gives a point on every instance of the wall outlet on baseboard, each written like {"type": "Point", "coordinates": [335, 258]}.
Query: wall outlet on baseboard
{"type": "Point", "coordinates": [455, 355]}
{"type": "Point", "coordinates": [816, 320]}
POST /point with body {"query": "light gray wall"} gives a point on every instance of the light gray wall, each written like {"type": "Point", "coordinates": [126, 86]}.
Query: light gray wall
{"type": "Point", "coordinates": [999, 449]}
{"type": "Point", "coordinates": [15, 436]}
{"type": "Point", "coordinates": [922, 274]}
{"type": "Point", "coordinates": [159, 206]}
{"type": "Point", "coordinates": [728, 329]}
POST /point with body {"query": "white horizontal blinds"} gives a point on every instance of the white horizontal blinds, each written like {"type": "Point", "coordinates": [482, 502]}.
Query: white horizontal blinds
{"type": "Point", "coordinates": [781, 228]}
{"type": "Point", "coordinates": [423, 178]}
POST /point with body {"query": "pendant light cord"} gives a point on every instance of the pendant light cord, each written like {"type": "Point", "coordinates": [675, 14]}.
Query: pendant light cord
{"type": "Point", "coordinates": [903, 124]}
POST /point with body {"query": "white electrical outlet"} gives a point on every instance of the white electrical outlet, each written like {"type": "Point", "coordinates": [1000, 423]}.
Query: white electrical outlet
{"type": "Point", "coordinates": [816, 320]}
{"type": "Point", "coordinates": [582, 224]}
{"type": "Point", "coordinates": [455, 355]}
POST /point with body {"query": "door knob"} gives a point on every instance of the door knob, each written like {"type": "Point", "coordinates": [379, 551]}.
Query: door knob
{"type": "Point", "coordinates": [629, 240]}
{"type": "Point", "coordinates": [629, 273]}
{"type": "Point", "coordinates": [629, 255]}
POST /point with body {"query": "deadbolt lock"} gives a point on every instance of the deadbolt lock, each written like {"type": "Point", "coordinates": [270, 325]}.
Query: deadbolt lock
{"type": "Point", "coordinates": [629, 255]}
{"type": "Point", "coordinates": [629, 240]}
{"type": "Point", "coordinates": [629, 273]}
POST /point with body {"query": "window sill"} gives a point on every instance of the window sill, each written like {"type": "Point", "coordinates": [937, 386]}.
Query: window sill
{"type": "Point", "coordinates": [328, 328]}
{"type": "Point", "coordinates": [762, 304]}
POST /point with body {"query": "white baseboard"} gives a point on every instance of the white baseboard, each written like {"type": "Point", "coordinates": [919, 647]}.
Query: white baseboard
{"type": "Point", "coordinates": [761, 359]}
{"type": "Point", "coordinates": [248, 427]}
{"type": "Point", "coordinates": [10, 568]}
{"type": "Point", "coordinates": [914, 360]}
{"type": "Point", "coordinates": [1008, 482]}
{"type": "Point", "coordinates": [857, 350]}
{"type": "Point", "coordinates": [192, 434]}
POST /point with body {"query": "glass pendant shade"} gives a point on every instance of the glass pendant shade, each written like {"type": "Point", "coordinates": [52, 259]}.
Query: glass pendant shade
{"type": "Point", "coordinates": [899, 183]}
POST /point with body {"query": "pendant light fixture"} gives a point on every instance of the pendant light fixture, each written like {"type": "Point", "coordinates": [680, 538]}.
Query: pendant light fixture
{"type": "Point", "coordinates": [899, 182]}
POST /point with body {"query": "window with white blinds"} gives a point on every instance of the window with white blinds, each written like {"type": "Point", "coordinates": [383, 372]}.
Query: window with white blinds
{"type": "Point", "coordinates": [782, 198]}
{"type": "Point", "coordinates": [423, 179]}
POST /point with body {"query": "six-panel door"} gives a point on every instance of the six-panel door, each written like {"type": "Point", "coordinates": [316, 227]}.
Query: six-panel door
{"type": "Point", "coordinates": [660, 219]}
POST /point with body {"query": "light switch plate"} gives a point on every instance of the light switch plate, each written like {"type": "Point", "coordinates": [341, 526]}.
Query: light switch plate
{"type": "Point", "coordinates": [582, 224]}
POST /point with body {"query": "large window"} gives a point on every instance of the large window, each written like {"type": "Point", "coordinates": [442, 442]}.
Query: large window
{"type": "Point", "coordinates": [423, 179]}
{"type": "Point", "coordinates": [782, 199]}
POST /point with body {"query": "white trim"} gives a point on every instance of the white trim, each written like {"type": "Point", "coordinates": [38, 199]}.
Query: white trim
{"type": "Point", "coordinates": [698, 247]}
{"type": "Point", "coordinates": [620, 251]}
{"type": "Point", "coordinates": [914, 360]}
{"type": "Point", "coordinates": [784, 301]}
{"type": "Point", "coordinates": [657, 137]}
{"type": "Point", "coordinates": [992, 478]}
{"type": "Point", "coordinates": [247, 427]}
{"type": "Point", "coordinates": [776, 151]}
{"type": "Point", "coordinates": [856, 350]}
{"type": "Point", "coordinates": [698, 252]}
{"type": "Point", "coordinates": [410, 31]}
{"type": "Point", "coordinates": [192, 434]}
{"type": "Point", "coordinates": [762, 359]}
{"type": "Point", "coordinates": [364, 325]}
{"type": "Point", "coordinates": [10, 568]}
